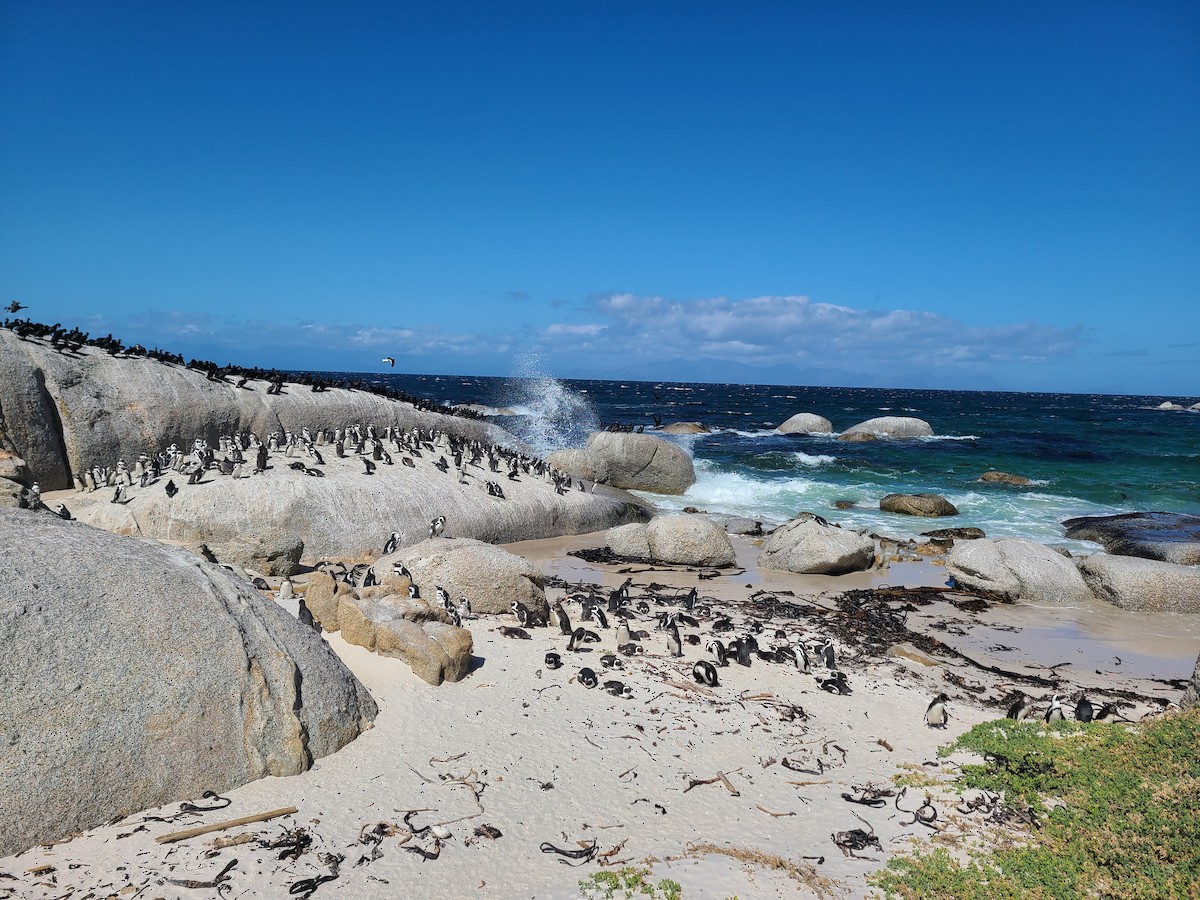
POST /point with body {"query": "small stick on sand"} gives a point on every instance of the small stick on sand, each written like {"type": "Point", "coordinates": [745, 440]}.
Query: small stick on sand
{"type": "Point", "coordinates": [221, 826]}
{"type": "Point", "coordinates": [807, 783]}
{"type": "Point", "coordinates": [775, 814]}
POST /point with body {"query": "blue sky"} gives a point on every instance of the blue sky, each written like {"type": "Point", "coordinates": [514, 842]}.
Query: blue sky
{"type": "Point", "coordinates": [933, 195]}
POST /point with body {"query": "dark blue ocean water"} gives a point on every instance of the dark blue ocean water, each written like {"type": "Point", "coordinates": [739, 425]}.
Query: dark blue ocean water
{"type": "Point", "coordinates": [1087, 454]}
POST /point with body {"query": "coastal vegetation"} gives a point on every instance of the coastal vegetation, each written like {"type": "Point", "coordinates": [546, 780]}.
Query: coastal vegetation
{"type": "Point", "coordinates": [1096, 811]}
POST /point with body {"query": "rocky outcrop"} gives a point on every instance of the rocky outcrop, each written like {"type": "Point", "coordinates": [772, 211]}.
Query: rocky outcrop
{"type": "Point", "coordinates": [1168, 405]}
{"type": "Point", "coordinates": [892, 427]}
{"type": "Point", "coordinates": [136, 674]}
{"type": "Point", "coordinates": [929, 505]}
{"type": "Point", "coordinates": [806, 423]}
{"type": "Point", "coordinates": [857, 437]}
{"type": "Point", "coordinates": [642, 462]}
{"type": "Point", "coordinates": [1005, 478]}
{"type": "Point", "coordinates": [1133, 583]}
{"type": "Point", "coordinates": [809, 545]}
{"type": "Point", "coordinates": [690, 540]}
{"type": "Point", "coordinates": [579, 464]}
{"type": "Point", "coordinates": [1017, 570]}
{"type": "Point", "coordinates": [1168, 537]}
{"type": "Point", "coordinates": [409, 629]}
{"type": "Point", "coordinates": [490, 577]}
{"type": "Point", "coordinates": [741, 525]}
{"type": "Point", "coordinates": [955, 534]}
{"type": "Point", "coordinates": [629, 541]}
{"type": "Point", "coordinates": [685, 428]}
{"type": "Point", "coordinates": [65, 413]}
{"type": "Point", "coordinates": [263, 521]}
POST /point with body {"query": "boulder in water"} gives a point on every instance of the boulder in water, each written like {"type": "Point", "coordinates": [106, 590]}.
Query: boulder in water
{"type": "Point", "coordinates": [806, 423]}
{"type": "Point", "coordinates": [811, 546]}
{"type": "Point", "coordinates": [1005, 478]}
{"type": "Point", "coordinates": [1017, 570]}
{"type": "Point", "coordinates": [685, 428]}
{"type": "Point", "coordinates": [191, 677]}
{"type": "Point", "coordinates": [857, 437]}
{"type": "Point", "coordinates": [642, 462]}
{"type": "Point", "coordinates": [1168, 537]}
{"type": "Point", "coordinates": [1133, 583]}
{"type": "Point", "coordinates": [929, 505]}
{"type": "Point", "coordinates": [892, 427]}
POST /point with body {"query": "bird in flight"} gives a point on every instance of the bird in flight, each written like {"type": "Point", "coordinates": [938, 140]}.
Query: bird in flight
{"type": "Point", "coordinates": [390, 360]}
{"type": "Point", "coordinates": [15, 307]}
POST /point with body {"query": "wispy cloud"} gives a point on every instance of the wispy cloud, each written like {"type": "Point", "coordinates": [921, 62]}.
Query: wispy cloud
{"type": "Point", "coordinates": [622, 332]}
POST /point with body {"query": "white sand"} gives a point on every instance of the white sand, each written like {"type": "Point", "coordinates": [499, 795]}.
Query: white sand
{"type": "Point", "coordinates": [559, 763]}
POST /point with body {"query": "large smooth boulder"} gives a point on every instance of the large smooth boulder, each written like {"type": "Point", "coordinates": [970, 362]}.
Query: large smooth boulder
{"type": "Point", "coordinates": [685, 428]}
{"type": "Point", "coordinates": [137, 674]}
{"type": "Point", "coordinates": [806, 423]}
{"type": "Point", "coordinates": [810, 546]}
{"type": "Point", "coordinates": [1017, 569]}
{"type": "Point", "coordinates": [1133, 583]}
{"type": "Point", "coordinates": [642, 462]}
{"type": "Point", "coordinates": [1168, 537]}
{"type": "Point", "coordinates": [261, 521]}
{"type": "Point", "coordinates": [65, 413]}
{"type": "Point", "coordinates": [489, 576]}
{"type": "Point", "coordinates": [955, 534]}
{"type": "Point", "coordinates": [689, 540]}
{"type": "Point", "coordinates": [892, 427]}
{"type": "Point", "coordinates": [628, 540]}
{"type": "Point", "coordinates": [929, 505]}
{"type": "Point", "coordinates": [411, 630]}
{"type": "Point", "coordinates": [579, 464]}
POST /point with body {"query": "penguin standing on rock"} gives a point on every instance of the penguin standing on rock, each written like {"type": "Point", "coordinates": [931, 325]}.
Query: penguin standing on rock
{"type": "Point", "coordinates": [392, 543]}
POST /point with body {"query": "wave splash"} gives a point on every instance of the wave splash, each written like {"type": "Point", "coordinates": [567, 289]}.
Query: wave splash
{"type": "Point", "coordinates": [549, 415]}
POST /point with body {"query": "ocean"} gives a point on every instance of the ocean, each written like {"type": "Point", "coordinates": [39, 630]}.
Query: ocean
{"type": "Point", "coordinates": [1085, 454]}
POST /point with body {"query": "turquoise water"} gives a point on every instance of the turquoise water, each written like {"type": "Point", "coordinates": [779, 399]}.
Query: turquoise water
{"type": "Point", "coordinates": [1086, 454]}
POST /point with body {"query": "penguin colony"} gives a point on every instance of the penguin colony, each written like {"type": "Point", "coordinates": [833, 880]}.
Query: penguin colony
{"type": "Point", "coordinates": [173, 469]}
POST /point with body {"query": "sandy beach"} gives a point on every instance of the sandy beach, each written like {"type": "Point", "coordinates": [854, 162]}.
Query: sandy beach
{"type": "Point", "coordinates": [731, 791]}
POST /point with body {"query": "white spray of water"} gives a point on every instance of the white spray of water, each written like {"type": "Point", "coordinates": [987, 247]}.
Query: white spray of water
{"type": "Point", "coordinates": [553, 416]}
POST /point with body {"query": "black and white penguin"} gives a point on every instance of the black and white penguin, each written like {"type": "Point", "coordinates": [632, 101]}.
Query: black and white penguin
{"type": "Point", "coordinates": [559, 612]}
{"type": "Point", "coordinates": [705, 673]}
{"type": "Point", "coordinates": [578, 636]}
{"type": "Point", "coordinates": [414, 592]}
{"type": "Point", "coordinates": [443, 597]}
{"type": "Point", "coordinates": [741, 650]}
{"type": "Point", "coordinates": [63, 512]}
{"type": "Point", "coordinates": [596, 614]}
{"type": "Point", "coordinates": [400, 571]}
{"type": "Point", "coordinates": [611, 661]}
{"type": "Point", "coordinates": [588, 678]}
{"type": "Point", "coordinates": [826, 653]}
{"type": "Point", "coordinates": [787, 656]}
{"type": "Point", "coordinates": [306, 617]}
{"type": "Point", "coordinates": [1055, 712]}
{"type": "Point", "coordinates": [717, 649]}
{"type": "Point", "coordinates": [464, 608]}
{"type": "Point", "coordinates": [521, 613]}
{"type": "Point", "coordinates": [722, 624]}
{"type": "Point", "coordinates": [935, 714]}
{"type": "Point", "coordinates": [623, 634]}
{"type": "Point", "coordinates": [618, 689]}
{"type": "Point", "coordinates": [437, 526]}
{"type": "Point", "coordinates": [1021, 708]}
{"type": "Point", "coordinates": [553, 661]}
{"type": "Point", "coordinates": [392, 543]}
{"type": "Point", "coordinates": [630, 649]}
{"type": "Point", "coordinates": [835, 683]}
{"type": "Point", "coordinates": [1083, 709]}
{"type": "Point", "coordinates": [1109, 713]}
{"type": "Point", "coordinates": [674, 644]}
{"type": "Point", "coordinates": [689, 602]}
{"type": "Point", "coordinates": [170, 488]}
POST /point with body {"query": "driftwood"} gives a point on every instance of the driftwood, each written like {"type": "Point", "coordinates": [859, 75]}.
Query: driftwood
{"type": "Point", "coordinates": [221, 826]}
